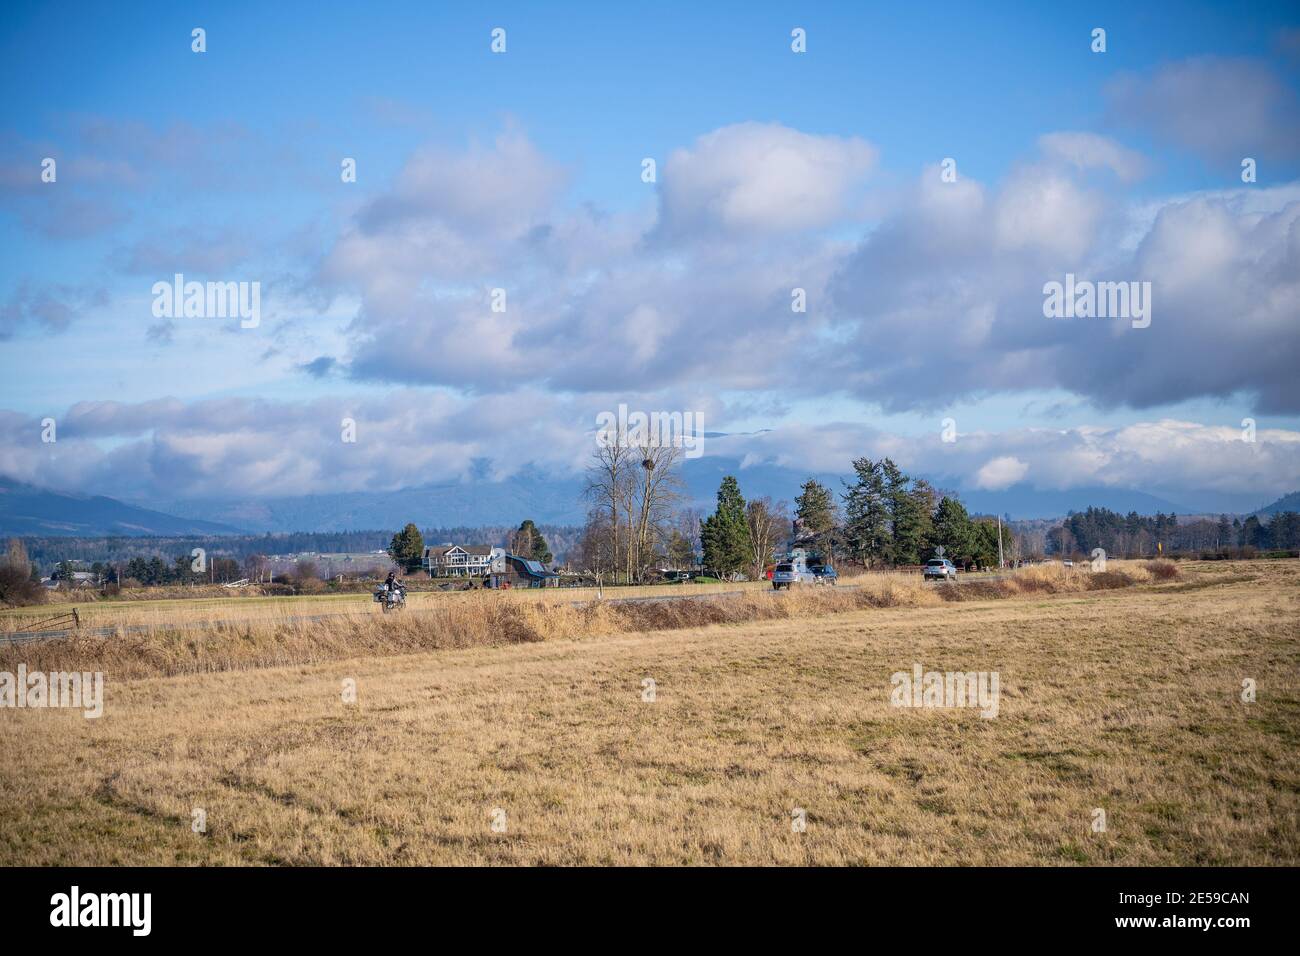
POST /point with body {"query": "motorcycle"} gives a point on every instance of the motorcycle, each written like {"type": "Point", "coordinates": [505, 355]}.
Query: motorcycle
{"type": "Point", "coordinates": [390, 599]}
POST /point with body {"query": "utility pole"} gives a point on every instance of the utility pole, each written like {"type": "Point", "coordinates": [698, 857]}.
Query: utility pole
{"type": "Point", "coordinates": [1000, 564]}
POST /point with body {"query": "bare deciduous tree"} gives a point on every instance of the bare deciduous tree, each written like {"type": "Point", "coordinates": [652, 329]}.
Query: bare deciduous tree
{"type": "Point", "coordinates": [609, 487]}
{"type": "Point", "coordinates": [633, 488]}
{"type": "Point", "coordinates": [768, 524]}
{"type": "Point", "coordinates": [656, 493]}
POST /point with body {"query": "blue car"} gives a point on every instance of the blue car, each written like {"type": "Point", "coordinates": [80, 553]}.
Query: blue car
{"type": "Point", "coordinates": [798, 571]}
{"type": "Point", "coordinates": [824, 573]}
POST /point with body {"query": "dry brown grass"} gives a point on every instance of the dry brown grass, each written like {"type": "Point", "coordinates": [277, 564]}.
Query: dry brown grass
{"type": "Point", "coordinates": [197, 637]}
{"type": "Point", "coordinates": [1125, 699]}
{"type": "Point", "coordinates": [199, 606]}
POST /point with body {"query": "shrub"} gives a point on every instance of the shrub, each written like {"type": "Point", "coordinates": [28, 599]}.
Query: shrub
{"type": "Point", "coordinates": [17, 589]}
{"type": "Point", "coordinates": [1105, 580]}
{"type": "Point", "coordinates": [1161, 570]}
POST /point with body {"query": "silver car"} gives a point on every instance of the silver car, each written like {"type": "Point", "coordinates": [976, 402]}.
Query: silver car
{"type": "Point", "coordinates": [940, 568]}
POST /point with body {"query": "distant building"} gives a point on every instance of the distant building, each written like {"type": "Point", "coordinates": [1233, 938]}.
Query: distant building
{"type": "Point", "coordinates": [462, 561]}
{"type": "Point", "coordinates": [77, 579]}
{"type": "Point", "coordinates": [331, 564]}
{"type": "Point", "coordinates": [516, 572]}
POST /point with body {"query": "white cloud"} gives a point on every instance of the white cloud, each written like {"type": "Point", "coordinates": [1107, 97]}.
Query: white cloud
{"type": "Point", "coordinates": [762, 177]}
{"type": "Point", "coordinates": [1046, 214]}
{"type": "Point", "coordinates": [501, 189]}
{"type": "Point", "coordinates": [244, 448]}
{"type": "Point", "coordinates": [1001, 473]}
{"type": "Point", "coordinates": [1092, 151]}
{"type": "Point", "coordinates": [1164, 456]}
{"type": "Point", "coordinates": [1221, 108]}
{"type": "Point", "coordinates": [946, 288]}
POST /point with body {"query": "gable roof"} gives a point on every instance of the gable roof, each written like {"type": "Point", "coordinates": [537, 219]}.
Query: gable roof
{"type": "Point", "coordinates": [477, 550]}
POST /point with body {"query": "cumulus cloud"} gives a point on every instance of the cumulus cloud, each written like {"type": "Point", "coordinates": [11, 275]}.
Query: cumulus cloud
{"type": "Point", "coordinates": [762, 177]}
{"type": "Point", "coordinates": [589, 303]}
{"type": "Point", "coordinates": [939, 303]}
{"type": "Point", "coordinates": [237, 447]}
{"type": "Point", "coordinates": [1220, 108]}
{"type": "Point", "coordinates": [1093, 151]}
{"type": "Point", "coordinates": [954, 294]}
{"type": "Point", "coordinates": [500, 189]}
{"type": "Point", "coordinates": [1161, 456]}
{"type": "Point", "coordinates": [260, 448]}
{"type": "Point", "coordinates": [1001, 472]}
{"type": "Point", "coordinates": [946, 287]}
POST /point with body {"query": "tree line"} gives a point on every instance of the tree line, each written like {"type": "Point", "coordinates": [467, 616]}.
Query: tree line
{"type": "Point", "coordinates": [884, 518]}
{"type": "Point", "coordinates": [48, 552]}
{"type": "Point", "coordinates": [1135, 535]}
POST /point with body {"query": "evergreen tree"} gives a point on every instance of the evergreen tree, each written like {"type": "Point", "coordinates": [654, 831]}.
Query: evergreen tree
{"type": "Point", "coordinates": [907, 520]}
{"type": "Point", "coordinates": [984, 542]}
{"type": "Point", "coordinates": [924, 500]}
{"type": "Point", "coordinates": [1225, 532]}
{"type": "Point", "coordinates": [138, 569]}
{"type": "Point", "coordinates": [953, 531]}
{"type": "Point", "coordinates": [528, 542]}
{"type": "Point", "coordinates": [866, 513]}
{"type": "Point", "coordinates": [1253, 533]}
{"type": "Point", "coordinates": [1284, 530]}
{"type": "Point", "coordinates": [815, 508]}
{"type": "Point", "coordinates": [725, 534]}
{"type": "Point", "coordinates": [815, 515]}
{"type": "Point", "coordinates": [407, 548]}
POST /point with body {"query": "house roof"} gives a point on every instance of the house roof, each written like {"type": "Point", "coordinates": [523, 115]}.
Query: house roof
{"type": "Point", "coordinates": [480, 550]}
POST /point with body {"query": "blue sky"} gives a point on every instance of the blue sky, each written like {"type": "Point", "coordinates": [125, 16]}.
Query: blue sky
{"type": "Point", "coordinates": [522, 171]}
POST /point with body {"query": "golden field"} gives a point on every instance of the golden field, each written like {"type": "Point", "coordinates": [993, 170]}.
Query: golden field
{"type": "Point", "coordinates": [140, 609]}
{"type": "Point", "coordinates": [1119, 691]}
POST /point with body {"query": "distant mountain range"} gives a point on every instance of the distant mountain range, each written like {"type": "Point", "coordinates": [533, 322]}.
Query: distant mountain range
{"type": "Point", "coordinates": [1289, 502]}
{"type": "Point", "coordinates": [559, 501]}
{"type": "Point", "coordinates": [26, 510]}
{"type": "Point", "coordinates": [531, 494]}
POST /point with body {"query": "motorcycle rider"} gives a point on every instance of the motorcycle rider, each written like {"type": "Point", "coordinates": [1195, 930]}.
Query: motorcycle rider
{"type": "Point", "coordinates": [391, 582]}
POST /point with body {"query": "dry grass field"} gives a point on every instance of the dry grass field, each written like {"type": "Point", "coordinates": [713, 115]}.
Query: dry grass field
{"type": "Point", "coordinates": [236, 607]}
{"type": "Point", "coordinates": [1119, 691]}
